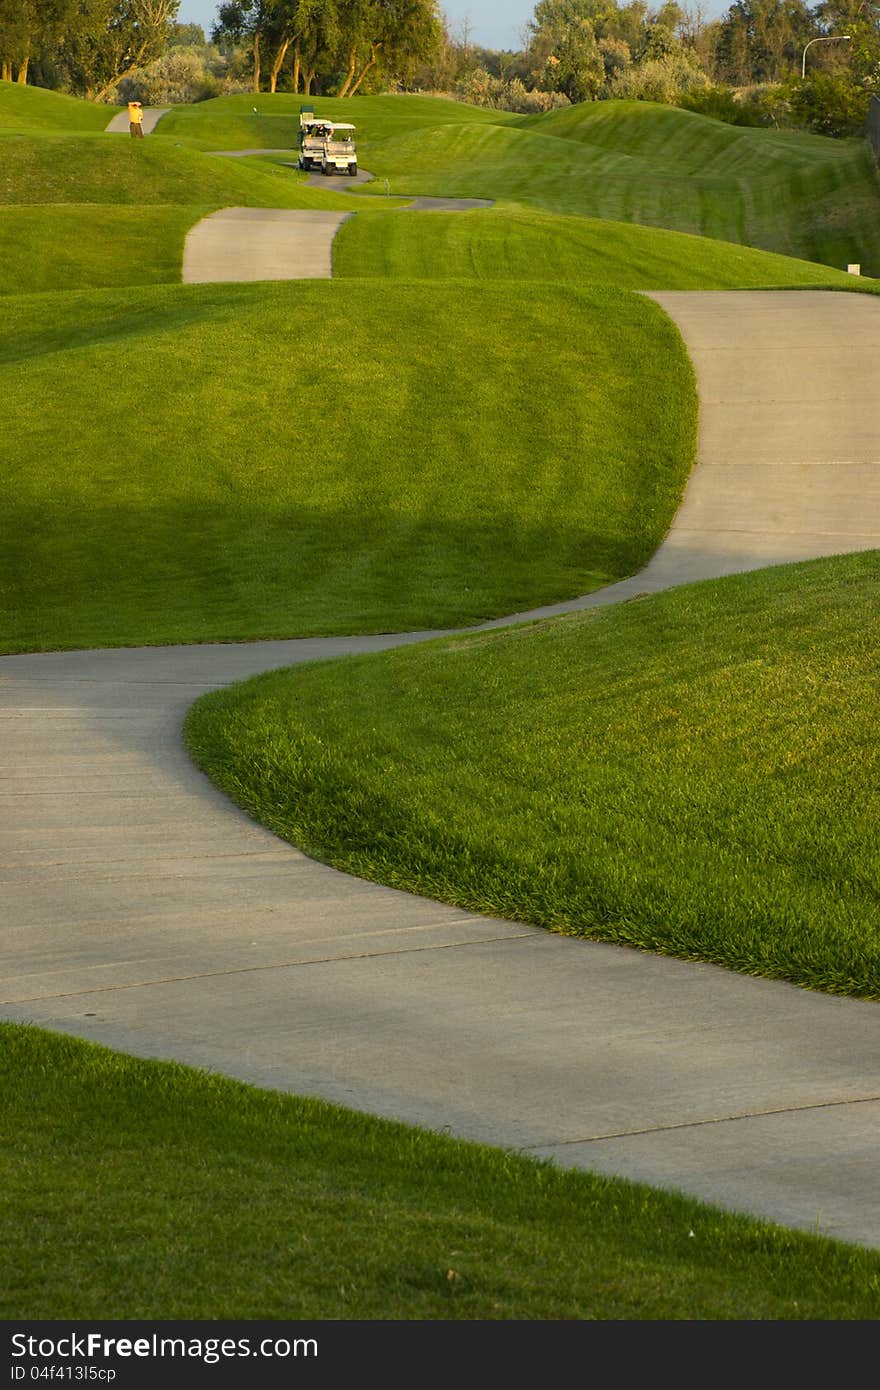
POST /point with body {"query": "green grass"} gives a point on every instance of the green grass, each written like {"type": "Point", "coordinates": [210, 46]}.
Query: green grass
{"type": "Point", "coordinates": [804, 196]}
{"type": "Point", "coordinates": [694, 774]}
{"type": "Point", "coordinates": [118, 170]}
{"type": "Point", "coordinates": [229, 123]}
{"type": "Point", "coordinates": [311, 457]}
{"type": "Point", "coordinates": [256, 1205]}
{"type": "Point", "coordinates": [80, 246]}
{"type": "Point", "coordinates": [522, 245]}
{"type": "Point", "coordinates": [24, 108]}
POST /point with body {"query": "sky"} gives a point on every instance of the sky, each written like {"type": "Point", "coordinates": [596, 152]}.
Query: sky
{"type": "Point", "coordinates": [495, 24]}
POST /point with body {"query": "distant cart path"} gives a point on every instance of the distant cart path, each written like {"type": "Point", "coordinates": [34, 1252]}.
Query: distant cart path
{"type": "Point", "coordinates": [261, 244]}
{"type": "Point", "coordinates": [237, 243]}
{"type": "Point", "coordinates": [152, 115]}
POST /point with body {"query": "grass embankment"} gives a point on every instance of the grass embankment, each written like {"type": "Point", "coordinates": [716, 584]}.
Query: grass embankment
{"type": "Point", "coordinates": [524, 245]}
{"type": "Point", "coordinates": [79, 246]}
{"type": "Point", "coordinates": [24, 108]}
{"type": "Point", "coordinates": [230, 123]}
{"type": "Point", "coordinates": [798, 195]}
{"type": "Point", "coordinates": [694, 774]}
{"type": "Point", "coordinates": [282, 460]}
{"type": "Point", "coordinates": [149, 1190]}
{"type": "Point", "coordinates": [97, 169]}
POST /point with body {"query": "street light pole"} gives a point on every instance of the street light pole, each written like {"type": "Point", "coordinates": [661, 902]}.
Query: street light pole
{"type": "Point", "coordinates": [827, 38]}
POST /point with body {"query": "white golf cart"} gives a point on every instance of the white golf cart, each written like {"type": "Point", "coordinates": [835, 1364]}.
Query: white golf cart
{"type": "Point", "coordinates": [313, 131]}
{"type": "Point", "coordinates": [339, 155]}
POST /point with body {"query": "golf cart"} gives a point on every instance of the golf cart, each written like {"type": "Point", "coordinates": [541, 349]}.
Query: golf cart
{"type": "Point", "coordinates": [339, 155]}
{"type": "Point", "coordinates": [313, 131]}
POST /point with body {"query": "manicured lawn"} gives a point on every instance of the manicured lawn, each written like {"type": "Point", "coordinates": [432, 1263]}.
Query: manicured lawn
{"type": "Point", "coordinates": [695, 773]}
{"type": "Point", "coordinates": [519, 244]}
{"type": "Point", "coordinates": [80, 246]}
{"type": "Point", "coordinates": [321, 457]}
{"type": "Point", "coordinates": [230, 123]}
{"type": "Point", "coordinates": [149, 1190]}
{"type": "Point", "coordinates": [25, 108]}
{"type": "Point", "coordinates": [118, 170]}
{"type": "Point", "coordinates": [809, 196]}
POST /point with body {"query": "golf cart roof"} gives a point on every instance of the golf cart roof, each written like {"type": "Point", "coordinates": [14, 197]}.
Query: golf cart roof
{"type": "Point", "coordinates": [341, 125]}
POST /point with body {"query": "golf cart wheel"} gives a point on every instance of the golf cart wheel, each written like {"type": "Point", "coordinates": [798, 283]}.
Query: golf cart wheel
{"type": "Point", "coordinates": [352, 169]}
{"type": "Point", "coordinates": [326, 169]}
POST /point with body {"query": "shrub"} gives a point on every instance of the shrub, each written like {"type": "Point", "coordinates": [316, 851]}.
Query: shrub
{"type": "Point", "coordinates": [658, 79]}
{"type": "Point", "coordinates": [179, 76]}
{"type": "Point", "coordinates": [828, 103]}
{"type": "Point", "coordinates": [720, 103]}
{"type": "Point", "coordinates": [480, 88]}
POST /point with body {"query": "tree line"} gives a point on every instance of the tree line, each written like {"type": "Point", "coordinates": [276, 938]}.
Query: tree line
{"type": "Point", "coordinates": [746, 65]}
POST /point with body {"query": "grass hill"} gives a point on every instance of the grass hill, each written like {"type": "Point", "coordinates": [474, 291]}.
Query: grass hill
{"type": "Point", "coordinates": [24, 108]}
{"type": "Point", "coordinates": [812, 198]}
{"type": "Point", "coordinates": [318, 457]}
{"type": "Point", "coordinates": [47, 247]}
{"type": "Point", "coordinates": [804, 196]}
{"type": "Point", "coordinates": [115, 169]}
{"type": "Point", "coordinates": [521, 244]}
{"type": "Point", "coordinates": [230, 123]}
{"type": "Point", "coordinates": [695, 773]}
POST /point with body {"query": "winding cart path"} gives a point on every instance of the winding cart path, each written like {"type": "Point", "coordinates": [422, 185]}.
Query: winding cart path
{"type": "Point", "coordinates": [144, 911]}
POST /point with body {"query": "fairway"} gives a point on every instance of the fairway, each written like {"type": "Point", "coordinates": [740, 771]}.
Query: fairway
{"type": "Point", "coordinates": [693, 773]}
{"type": "Point", "coordinates": [268, 461]}
{"type": "Point", "coordinates": [343, 1216]}
{"type": "Point", "coordinates": [565, 845]}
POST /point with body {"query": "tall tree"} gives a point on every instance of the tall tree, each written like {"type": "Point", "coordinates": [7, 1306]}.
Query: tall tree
{"type": "Point", "coordinates": [385, 35]}
{"type": "Point", "coordinates": [762, 40]}
{"type": "Point", "coordinates": [32, 29]}
{"type": "Point", "coordinates": [126, 36]}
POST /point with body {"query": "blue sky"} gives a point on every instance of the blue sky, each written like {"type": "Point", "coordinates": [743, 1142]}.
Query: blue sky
{"type": "Point", "coordinates": [492, 23]}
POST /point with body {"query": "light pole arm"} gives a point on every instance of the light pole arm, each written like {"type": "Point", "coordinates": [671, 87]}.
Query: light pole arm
{"type": "Point", "coordinates": [826, 38]}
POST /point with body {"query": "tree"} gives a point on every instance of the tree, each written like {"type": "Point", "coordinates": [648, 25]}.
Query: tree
{"type": "Point", "coordinates": [762, 40]}
{"type": "Point", "coordinates": [565, 35]}
{"type": "Point", "coordinates": [385, 35]}
{"type": "Point", "coordinates": [120, 37]}
{"type": "Point", "coordinates": [576, 67]}
{"type": "Point", "coordinates": [861, 20]}
{"type": "Point", "coordinates": [32, 29]}
{"type": "Point", "coordinates": [828, 103]}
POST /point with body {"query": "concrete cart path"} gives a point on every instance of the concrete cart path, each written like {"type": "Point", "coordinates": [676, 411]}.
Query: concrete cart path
{"type": "Point", "coordinates": [788, 448]}
{"type": "Point", "coordinates": [788, 459]}
{"type": "Point", "coordinates": [152, 116]}
{"type": "Point", "coordinates": [144, 911]}
{"type": "Point", "coordinates": [237, 244]}
{"type": "Point", "coordinates": [342, 183]}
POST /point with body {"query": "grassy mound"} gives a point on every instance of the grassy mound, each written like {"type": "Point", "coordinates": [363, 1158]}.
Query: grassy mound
{"type": "Point", "coordinates": [341, 1216]}
{"type": "Point", "coordinates": [524, 245]}
{"type": "Point", "coordinates": [813, 198]}
{"type": "Point", "coordinates": [84, 169]}
{"type": "Point", "coordinates": [279, 460]}
{"type": "Point", "coordinates": [231, 123]}
{"type": "Point", "coordinates": [81, 246]}
{"type": "Point", "coordinates": [684, 142]}
{"type": "Point", "coordinates": [24, 108]}
{"type": "Point", "coordinates": [694, 774]}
